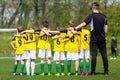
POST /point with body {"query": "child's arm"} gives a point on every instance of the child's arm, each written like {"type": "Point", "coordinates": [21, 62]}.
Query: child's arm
{"type": "Point", "coordinates": [13, 46]}
{"type": "Point", "coordinates": [56, 37]}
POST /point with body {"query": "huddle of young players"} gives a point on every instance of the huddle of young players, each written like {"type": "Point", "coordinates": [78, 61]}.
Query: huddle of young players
{"type": "Point", "coordinates": [75, 44]}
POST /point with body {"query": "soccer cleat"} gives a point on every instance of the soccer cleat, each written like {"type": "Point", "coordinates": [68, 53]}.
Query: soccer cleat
{"type": "Point", "coordinates": [106, 73]}
{"type": "Point", "coordinates": [57, 74]}
{"type": "Point", "coordinates": [114, 58]}
{"type": "Point", "coordinates": [86, 74]}
{"type": "Point", "coordinates": [49, 74]}
{"type": "Point", "coordinates": [21, 74]}
{"type": "Point", "coordinates": [76, 74]}
{"type": "Point", "coordinates": [13, 73]}
{"type": "Point", "coordinates": [28, 74]}
{"type": "Point", "coordinates": [82, 74]}
{"type": "Point", "coordinates": [62, 74]}
{"type": "Point", "coordinates": [33, 74]}
{"type": "Point", "coordinates": [111, 58]}
{"type": "Point", "coordinates": [42, 74]}
{"type": "Point", "coordinates": [68, 74]}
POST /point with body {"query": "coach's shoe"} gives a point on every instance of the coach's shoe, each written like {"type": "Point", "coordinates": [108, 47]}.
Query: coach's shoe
{"type": "Point", "coordinates": [42, 74]}
{"type": "Point", "coordinates": [28, 74]}
{"type": "Point", "coordinates": [62, 74]}
{"type": "Point", "coordinates": [57, 74]}
{"type": "Point", "coordinates": [13, 73]}
{"type": "Point", "coordinates": [68, 74]}
{"type": "Point", "coordinates": [21, 74]}
{"type": "Point", "coordinates": [49, 74]}
{"type": "Point", "coordinates": [33, 74]}
{"type": "Point", "coordinates": [76, 74]}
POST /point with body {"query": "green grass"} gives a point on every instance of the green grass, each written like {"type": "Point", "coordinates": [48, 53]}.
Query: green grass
{"type": "Point", "coordinates": [7, 67]}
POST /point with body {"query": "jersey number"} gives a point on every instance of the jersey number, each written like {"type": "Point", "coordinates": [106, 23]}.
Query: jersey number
{"type": "Point", "coordinates": [29, 37]}
{"type": "Point", "coordinates": [44, 37]}
{"type": "Point", "coordinates": [19, 42]}
{"type": "Point", "coordinates": [85, 37]}
{"type": "Point", "coordinates": [58, 42]}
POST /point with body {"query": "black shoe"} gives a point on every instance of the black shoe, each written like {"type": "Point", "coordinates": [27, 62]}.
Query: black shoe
{"type": "Point", "coordinates": [92, 73]}
{"type": "Point", "coordinates": [106, 73]}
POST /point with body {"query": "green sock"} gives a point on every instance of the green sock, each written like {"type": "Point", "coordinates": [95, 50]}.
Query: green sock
{"type": "Point", "coordinates": [62, 68]}
{"type": "Point", "coordinates": [81, 66]}
{"type": "Point", "coordinates": [87, 66]}
{"type": "Point", "coordinates": [57, 68]}
{"type": "Point", "coordinates": [15, 68]}
{"type": "Point", "coordinates": [21, 68]}
{"type": "Point", "coordinates": [42, 67]}
{"type": "Point", "coordinates": [76, 71]}
{"type": "Point", "coordinates": [112, 55]}
{"type": "Point", "coordinates": [69, 66]}
{"type": "Point", "coordinates": [49, 67]}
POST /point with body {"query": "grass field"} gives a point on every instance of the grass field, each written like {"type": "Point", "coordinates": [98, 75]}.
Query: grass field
{"type": "Point", "coordinates": [7, 67]}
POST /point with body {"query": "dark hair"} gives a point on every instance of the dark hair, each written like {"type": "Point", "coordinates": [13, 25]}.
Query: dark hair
{"type": "Point", "coordinates": [45, 23]}
{"type": "Point", "coordinates": [20, 28]}
{"type": "Point", "coordinates": [95, 5]}
{"type": "Point", "coordinates": [113, 34]}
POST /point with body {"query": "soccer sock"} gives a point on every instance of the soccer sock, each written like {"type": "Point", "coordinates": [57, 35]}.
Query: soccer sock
{"type": "Point", "coordinates": [21, 68]}
{"type": "Point", "coordinates": [28, 67]}
{"type": "Point", "coordinates": [112, 55]}
{"type": "Point", "coordinates": [62, 68]}
{"type": "Point", "coordinates": [33, 66]}
{"type": "Point", "coordinates": [15, 68]}
{"type": "Point", "coordinates": [58, 68]}
{"type": "Point", "coordinates": [87, 66]}
{"type": "Point", "coordinates": [69, 66]}
{"type": "Point", "coordinates": [81, 66]}
{"type": "Point", "coordinates": [49, 67]}
{"type": "Point", "coordinates": [76, 71]}
{"type": "Point", "coordinates": [42, 67]}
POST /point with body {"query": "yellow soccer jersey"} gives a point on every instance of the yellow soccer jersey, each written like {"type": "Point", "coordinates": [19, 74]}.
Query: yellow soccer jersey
{"type": "Point", "coordinates": [85, 39]}
{"type": "Point", "coordinates": [29, 36]}
{"type": "Point", "coordinates": [59, 43]}
{"type": "Point", "coordinates": [19, 44]}
{"type": "Point", "coordinates": [71, 45]}
{"type": "Point", "coordinates": [44, 42]}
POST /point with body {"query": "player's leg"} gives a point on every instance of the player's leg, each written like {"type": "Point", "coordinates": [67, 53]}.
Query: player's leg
{"type": "Point", "coordinates": [22, 64]}
{"type": "Point", "coordinates": [87, 58]}
{"type": "Point", "coordinates": [27, 55]}
{"type": "Point", "coordinates": [81, 62]}
{"type": "Point", "coordinates": [57, 60]}
{"type": "Point", "coordinates": [69, 58]}
{"type": "Point", "coordinates": [48, 56]}
{"type": "Point", "coordinates": [17, 59]}
{"type": "Point", "coordinates": [15, 67]}
{"type": "Point", "coordinates": [41, 55]}
{"type": "Point", "coordinates": [33, 57]}
{"type": "Point", "coordinates": [62, 58]}
{"type": "Point", "coordinates": [75, 59]}
{"type": "Point", "coordinates": [22, 67]}
{"type": "Point", "coordinates": [112, 51]}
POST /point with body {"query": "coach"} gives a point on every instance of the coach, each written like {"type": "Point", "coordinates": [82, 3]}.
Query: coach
{"type": "Point", "coordinates": [99, 29]}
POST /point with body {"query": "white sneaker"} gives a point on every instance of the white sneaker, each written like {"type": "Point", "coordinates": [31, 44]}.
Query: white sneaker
{"type": "Point", "coordinates": [115, 58]}
{"type": "Point", "coordinates": [111, 58]}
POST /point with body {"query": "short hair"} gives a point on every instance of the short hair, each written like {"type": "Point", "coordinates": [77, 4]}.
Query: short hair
{"type": "Point", "coordinates": [45, 23]}
{"type": "Point", "coordinates": [20, 28]}
{"type": "Point", "coordinates": [95, 5]}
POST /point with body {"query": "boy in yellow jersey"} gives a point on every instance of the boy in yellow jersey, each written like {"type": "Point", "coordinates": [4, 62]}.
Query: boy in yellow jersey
{"type": "Point", "coordinates": [72, 48]}
{"type": "Point", "coordinates": [84, 51]}
{"type": "Point", "coordinates": [59, 55]}
{"type": "Point", "coordinates": [30, 49]}
{"type": "Point", "coordinates": [18, 45]}
{"type": "Point", "coordinates": [44, 48]}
